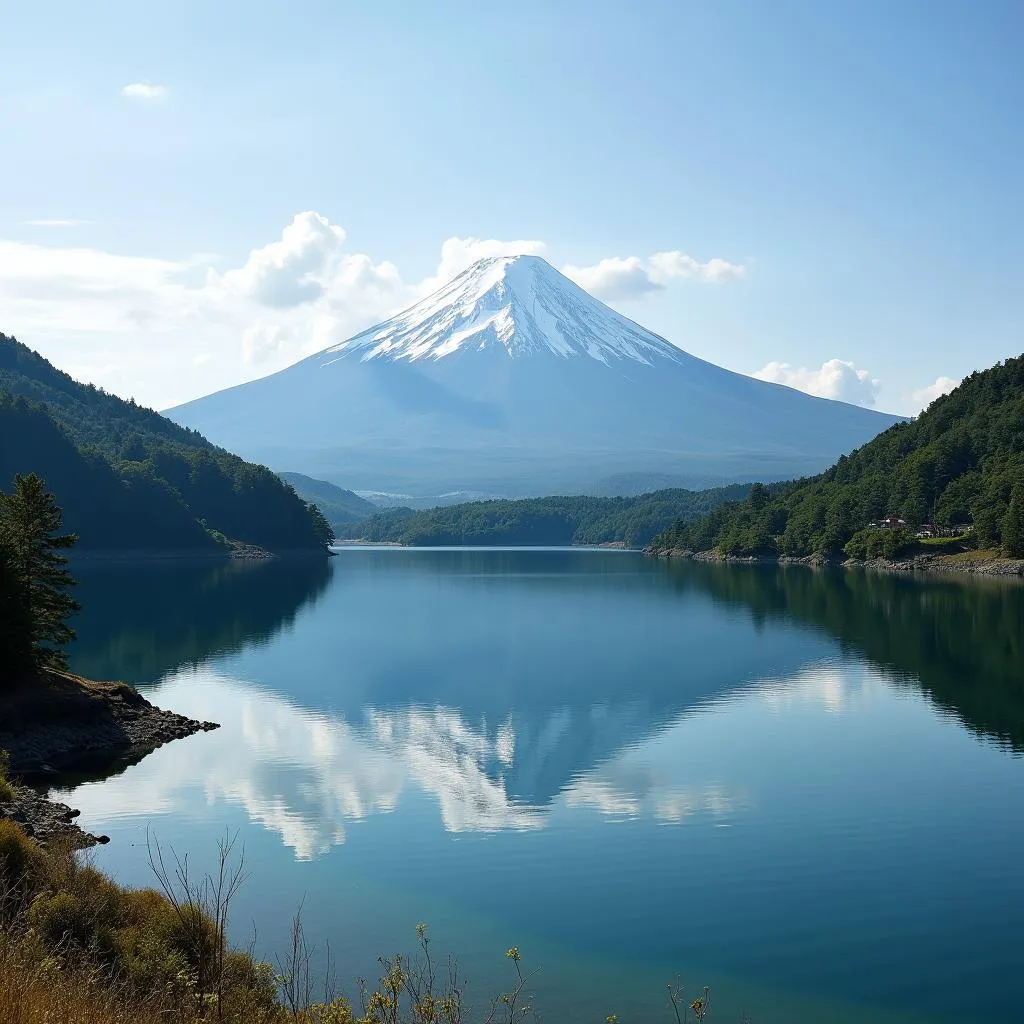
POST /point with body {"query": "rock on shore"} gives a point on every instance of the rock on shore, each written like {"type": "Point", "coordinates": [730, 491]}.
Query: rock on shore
{"type": "Point", "coordinates": [44, 819]}
{"type": "Point", "coordinates": [61, 724]}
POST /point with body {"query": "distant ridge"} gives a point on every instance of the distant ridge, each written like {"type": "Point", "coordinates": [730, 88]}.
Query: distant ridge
{"type": "Point", "coordinates": [338, 505]}
{"type": "Point", "coordinates": [512, 379]}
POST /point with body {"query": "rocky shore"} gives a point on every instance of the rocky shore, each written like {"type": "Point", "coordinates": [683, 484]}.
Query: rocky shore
{"type": "Point", "coordinates": [61, 725]}
{"type": "Point", "coordinates": [962, 564]}
{"type": "Point", "coordinates": [44, 819]}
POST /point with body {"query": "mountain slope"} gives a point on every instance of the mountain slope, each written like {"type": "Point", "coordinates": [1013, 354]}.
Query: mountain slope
{"type": "Point", "coordinates": [511, 379]}
{"type": "Point", "coordinates": [337, 505]}
{"type": "Point", "coordinates": [96, 450]}
{"type": "Point", "coordinates": [960, 462]}
{"type": "Point", "coordinates": [548, 521]}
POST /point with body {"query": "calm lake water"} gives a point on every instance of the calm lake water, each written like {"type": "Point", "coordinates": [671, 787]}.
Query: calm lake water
{"type": "Point", "coordinates": [804, 789]}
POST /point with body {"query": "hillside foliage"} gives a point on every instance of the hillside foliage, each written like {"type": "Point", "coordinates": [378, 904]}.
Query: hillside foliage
{"type": "Point", "coordinates": [128, 478]}
{"type": "Point", "coordinates": [580, 519]}
{"type": "Point", "coordinates": [961, 462]}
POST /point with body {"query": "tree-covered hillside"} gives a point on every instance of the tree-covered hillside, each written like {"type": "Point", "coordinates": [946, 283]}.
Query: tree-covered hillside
{"type": "Point", "coordinates": [339, 506]}
{"type": "Point", "coordinates": [959, 462]}
{"type": "Point", "coordinates": [129, 478]}
{"type": "Point", "coordinates": [544, 521]}
{"type": "Point", "coordinates": [106, 509]}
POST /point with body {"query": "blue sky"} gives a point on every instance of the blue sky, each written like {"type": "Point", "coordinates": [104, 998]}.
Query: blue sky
{"type": "Point", "coordinates": [856, 169]}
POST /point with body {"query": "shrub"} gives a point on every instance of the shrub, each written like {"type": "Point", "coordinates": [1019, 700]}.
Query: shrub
{"type": "Point", "coordinates": [22, 862]}
{"type": "Point", "coordinates": [6, 789]}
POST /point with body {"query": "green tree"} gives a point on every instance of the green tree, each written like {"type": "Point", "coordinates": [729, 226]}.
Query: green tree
{"type": "Point", "coordinates": [15, 632]}
{"type": "Point", "coordinates": [1013, 525]}
{"type": "Point", "coordinates": [37, 577]}
{"type": "Point", "coordinates": [323, 529]}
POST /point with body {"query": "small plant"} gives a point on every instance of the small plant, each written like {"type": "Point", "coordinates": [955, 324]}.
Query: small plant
{"type": "Point", "coordinates": [6, 789]}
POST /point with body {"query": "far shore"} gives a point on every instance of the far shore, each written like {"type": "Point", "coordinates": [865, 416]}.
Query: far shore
{"type": "Point", "coordinates": [612, 545]}
{"type": "Point", "coordinates": [980, 563]}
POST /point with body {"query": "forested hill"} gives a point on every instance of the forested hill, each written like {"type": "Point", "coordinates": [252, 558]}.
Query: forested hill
{"type": "Point", "coordinates": [544, 521]}
{"type": "Point", "coordinates": [338, 505]}
{"type": "Point", "coordinates": [959, 462]}
{"type": "Point", "coordinates": [128, 478]}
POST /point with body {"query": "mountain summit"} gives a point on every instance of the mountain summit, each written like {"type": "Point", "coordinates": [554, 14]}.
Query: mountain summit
{"type": "Point", "coordinates": [520, 303]}
{"type": "Point", "coordinates": [513, 380]}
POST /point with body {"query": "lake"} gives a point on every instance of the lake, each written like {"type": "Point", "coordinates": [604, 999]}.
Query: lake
{"type": "Point", "coordinates": [801, 788]}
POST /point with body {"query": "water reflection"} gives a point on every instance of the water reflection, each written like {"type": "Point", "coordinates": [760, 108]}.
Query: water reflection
{"type": "Point", "coordinates": [388, 680]}
{"type": "Point", "coordinates": [140, 621]}
{"type": "Point", "coordinates": [961, 641]}
{"type": "Point", "coordinates": [306, 775]}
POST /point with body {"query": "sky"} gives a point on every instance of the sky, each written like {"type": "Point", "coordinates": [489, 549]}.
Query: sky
{"type": "Point", "coordinates": [828, 195]}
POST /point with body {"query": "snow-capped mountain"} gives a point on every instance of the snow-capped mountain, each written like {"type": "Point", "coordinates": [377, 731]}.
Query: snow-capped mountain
{"type": "Point", "coordinates": [511, 379]}
{"type": "Point", "coordinates": [520, 303]}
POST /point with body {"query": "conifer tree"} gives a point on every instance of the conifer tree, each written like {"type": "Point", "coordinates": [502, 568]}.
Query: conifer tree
{"type": "Point", "coordinates": [34, 579]}
{"type": "Point", "coordinates": [1013, 525]}
{"type": "Point", "coordinates": [15, 633]}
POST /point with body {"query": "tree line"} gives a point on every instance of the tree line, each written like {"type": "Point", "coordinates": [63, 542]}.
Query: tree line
{"type": "Point", "coordinates": [579, 519]}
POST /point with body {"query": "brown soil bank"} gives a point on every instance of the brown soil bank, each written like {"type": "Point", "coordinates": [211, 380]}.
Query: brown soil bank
{"type": "Point", "coordinates": [60, 724]}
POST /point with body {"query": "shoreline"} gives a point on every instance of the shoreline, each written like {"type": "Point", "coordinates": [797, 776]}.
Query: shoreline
{"type": "Point", "coordinates": [61, 725]}
{"type": "Point", "coordinates": [610, 545]}
{"type": "Point", "coordinates": [1006, 568]}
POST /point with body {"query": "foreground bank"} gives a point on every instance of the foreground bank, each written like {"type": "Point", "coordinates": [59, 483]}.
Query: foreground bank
{"type": "Point", "coordinates": [59, 724]}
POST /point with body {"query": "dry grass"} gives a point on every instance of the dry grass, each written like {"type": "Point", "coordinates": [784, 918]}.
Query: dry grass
{"type": "Point", "coordinates": [40, 989]}
{"type": "Point", "coordinates": [977, 556]}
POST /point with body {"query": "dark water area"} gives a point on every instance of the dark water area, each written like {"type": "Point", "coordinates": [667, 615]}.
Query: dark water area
{"type": "Point", "coordinates": [802, 788]}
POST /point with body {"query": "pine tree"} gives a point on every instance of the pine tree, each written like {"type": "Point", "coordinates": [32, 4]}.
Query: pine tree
{"type": "Point", "coordinates": [323, 529]}
{"type": "Point", "coordinates": [1013, 525]}
{"type": "Point", "coordinates": [15, 632]}
{"type": "Point", "coordinates": [37, 577]}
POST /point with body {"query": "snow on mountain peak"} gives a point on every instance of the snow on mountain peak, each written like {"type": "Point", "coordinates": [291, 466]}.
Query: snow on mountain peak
{"type": "Point", "coordinates": [520, 303]}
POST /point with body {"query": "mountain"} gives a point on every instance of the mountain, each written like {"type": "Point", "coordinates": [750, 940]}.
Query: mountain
{"type": "Point", "coordinates": [961, 462]}
{"type": "Point", "coordinates": [583, 520]}
{"type": "Point", "coordinates": [338, 506]}
{"type": "Point", "coordinates": [512, 380]}
{"type": "Point", "coordinates": [129, 479]}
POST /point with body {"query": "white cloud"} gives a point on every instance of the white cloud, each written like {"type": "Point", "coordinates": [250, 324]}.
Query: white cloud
{"type": "Point", "coordinates": [836, 379]}
{"type": "Point", "coordinates": [57, 222]}
{"type": "Point", "coordinates": [923, 397]}
{"type": "Point", "coordinates": [261, 341]}
{"type": "Point", "coordinates": [614, 278]}
{"type": "Point", "coordinates": [620, 278]}
{"type": "Point", "coordinates": [293, 270]}
{"type": "Point", "coordinates": [144, 91]}
{"type": "Point", "coordinates": [668, 265]}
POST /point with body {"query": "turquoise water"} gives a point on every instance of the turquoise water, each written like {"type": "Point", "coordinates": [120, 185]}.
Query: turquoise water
{"type": "Point", "coordinates": [801, 788]}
